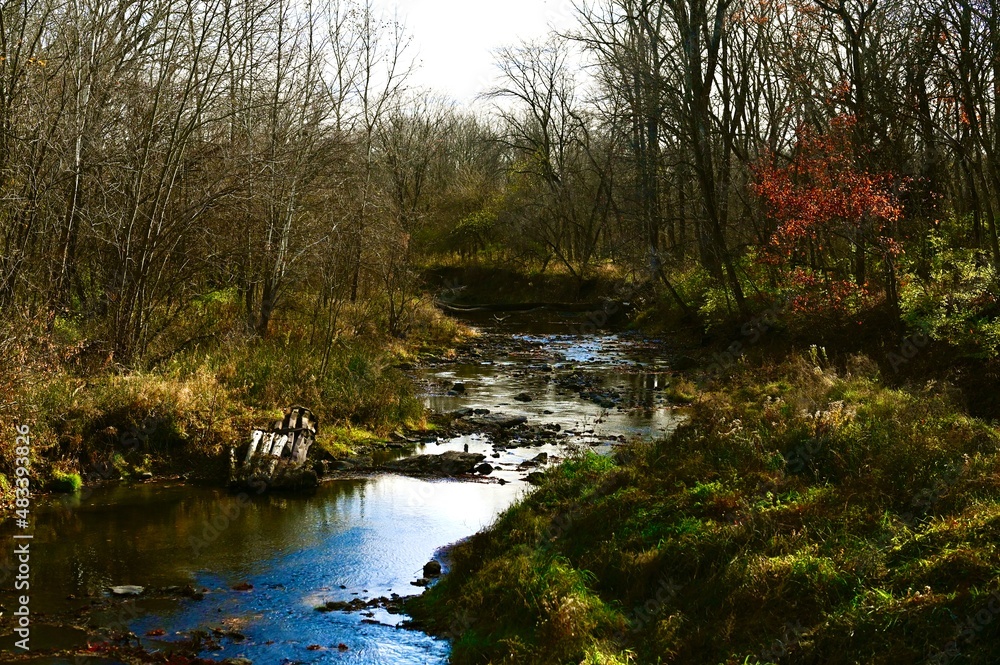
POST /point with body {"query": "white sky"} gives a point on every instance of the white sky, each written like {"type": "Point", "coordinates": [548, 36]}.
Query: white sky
{"type": "Point", "coordinates": [453, 40]}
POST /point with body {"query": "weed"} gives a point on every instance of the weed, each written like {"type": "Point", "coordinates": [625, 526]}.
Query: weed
{"type": "Point", "coordinates": [801, 494]}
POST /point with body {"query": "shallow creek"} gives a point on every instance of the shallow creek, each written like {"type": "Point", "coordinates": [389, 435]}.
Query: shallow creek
{"type": "Point", "coordinates": [361, 537]}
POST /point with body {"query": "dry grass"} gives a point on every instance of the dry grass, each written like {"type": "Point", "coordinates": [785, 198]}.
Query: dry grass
{"type": "Point", "coordinates": [805, 514]}
{"type": "Point", "coordinates": [91, 417]}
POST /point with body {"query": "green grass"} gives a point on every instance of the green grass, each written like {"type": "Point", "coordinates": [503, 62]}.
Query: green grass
{"type": "Point", "coordinates": [802, 515]}
{"type": "Point", "coordinates": [65, 482]}
{"type": "Point", "coordinates": [340, 441]}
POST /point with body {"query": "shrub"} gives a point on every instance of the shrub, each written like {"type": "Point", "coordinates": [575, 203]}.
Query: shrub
{"type": "Point", "coordinates": [65, 482]}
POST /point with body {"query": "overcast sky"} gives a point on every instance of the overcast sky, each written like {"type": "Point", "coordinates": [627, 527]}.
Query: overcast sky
{"type": "Point", "coordinates": [454, 39]}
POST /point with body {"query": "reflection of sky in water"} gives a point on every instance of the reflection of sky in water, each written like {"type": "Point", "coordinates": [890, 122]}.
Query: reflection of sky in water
{"type": "Point", "coordinates": [610, 349]}
{"type": "Point", "coordinates": [371, 536]}
{"type": "Point", "coordinates": [575, 349]}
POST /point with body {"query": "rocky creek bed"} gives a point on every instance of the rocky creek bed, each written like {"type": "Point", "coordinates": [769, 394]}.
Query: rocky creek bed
{"type": "Point", "coordinates": [167, 572]}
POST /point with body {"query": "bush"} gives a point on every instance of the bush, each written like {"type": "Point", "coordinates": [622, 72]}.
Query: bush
{"type": "Point", "coordinates": [957, 302]}
{"type": "Point", "coordinates": [69, 483]}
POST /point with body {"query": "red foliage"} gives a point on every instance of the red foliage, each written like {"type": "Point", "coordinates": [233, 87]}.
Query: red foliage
{"type": "Point", "coordinates": [823, 193]}
{"type": "Point", "coordinates": [826, 207]}
{"type": "Point", "coordinates": [813, 292]}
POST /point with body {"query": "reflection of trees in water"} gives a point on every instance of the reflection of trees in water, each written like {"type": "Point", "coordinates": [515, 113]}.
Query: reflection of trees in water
{"type": "Point", "coordinates": [644, 388]}
{"type": "Point", "coordinates": [143, 535]}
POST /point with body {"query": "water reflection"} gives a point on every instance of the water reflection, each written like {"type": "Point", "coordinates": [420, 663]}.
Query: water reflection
{"type": "Point", "coordinates": [370, 536]}
{"type": "Point", "coordinates": [352, 538]}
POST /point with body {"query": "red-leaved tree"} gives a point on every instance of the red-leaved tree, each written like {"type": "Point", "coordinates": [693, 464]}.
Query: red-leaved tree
{"type": "Point", "coordinates": [829, 215]}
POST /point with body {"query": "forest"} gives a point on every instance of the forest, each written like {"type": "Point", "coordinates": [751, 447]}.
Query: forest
{"type": "Point", "coordinates": [211, 210]}
{"type": "Point", "coordinates": [162, 154]}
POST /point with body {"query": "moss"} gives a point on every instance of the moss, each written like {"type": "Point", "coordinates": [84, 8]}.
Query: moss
{"type": "Point", "coordinates": [65, 482]}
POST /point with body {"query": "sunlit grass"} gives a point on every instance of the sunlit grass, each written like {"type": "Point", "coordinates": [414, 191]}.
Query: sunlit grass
{"type": "Point", "coordinates": [181, 413]}
{"type": "Point", "coordinates": [805, 513]}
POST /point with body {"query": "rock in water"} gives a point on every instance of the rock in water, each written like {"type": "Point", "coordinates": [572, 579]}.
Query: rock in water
{"type": "Point", "coordinates": [540, 458]}
{"type": "Point", "coordinates": [501, 420]}
{"type": "Point", "coordinates": [484, 469]}
{"type": "Point", "coordinates": [523, 397]}
{"type": "Point", "coordinates": [432, 569]}
{"type": "Point", "coordinates": [451, 463]}
{"type": "Point", "coordinates": [126, 590]}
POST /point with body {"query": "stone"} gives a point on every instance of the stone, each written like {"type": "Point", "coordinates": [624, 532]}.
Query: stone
{"type": "Point", "coordinates": [192, 593]}
{"type": "Point", "coordinates": [501, 420]}
{"type": "Point", "coordinates": [126, 590]}
{"type": "Point", "coordinates": [451, 463]}
{"type": "Point", "coordinates": [352, 605]}
{"type": "Point", "coordinates": [539, 459]}
{"type": "Point", "coordinates": [432, 569]}
{"type": "Point", "coordinates": [523, 397]}
{"type": "Point", "coordinates": [484, 469]}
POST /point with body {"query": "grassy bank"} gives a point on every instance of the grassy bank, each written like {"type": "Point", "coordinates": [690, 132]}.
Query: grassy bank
{"type": "Point", "coordinates": [805, 514]}
{"type": "Point", "coordinates": [95, 421]}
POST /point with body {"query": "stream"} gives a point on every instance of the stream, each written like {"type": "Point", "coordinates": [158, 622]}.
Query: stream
{"type": "Point", "coordinates": [263, 563]}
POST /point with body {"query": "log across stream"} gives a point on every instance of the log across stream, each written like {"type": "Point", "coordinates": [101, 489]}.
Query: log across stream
{"type": "Point", "coordinates": [239, 576]}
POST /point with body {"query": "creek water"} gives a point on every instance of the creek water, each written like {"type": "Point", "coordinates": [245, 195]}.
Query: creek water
{"type": "Point", "coordinates": [353, 538]}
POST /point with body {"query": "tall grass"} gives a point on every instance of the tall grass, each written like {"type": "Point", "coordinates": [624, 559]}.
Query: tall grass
{"type": "Point", "coordinates": [804, 514]}
{"type": "Point", "coordinates": [180, 415]}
